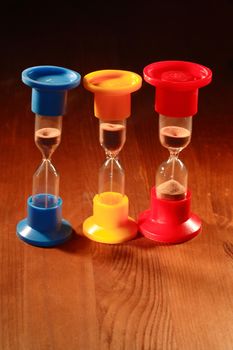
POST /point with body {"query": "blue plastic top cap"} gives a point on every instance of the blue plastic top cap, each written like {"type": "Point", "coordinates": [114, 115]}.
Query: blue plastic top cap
{"type": "Point", "coordinates": [49, 88]}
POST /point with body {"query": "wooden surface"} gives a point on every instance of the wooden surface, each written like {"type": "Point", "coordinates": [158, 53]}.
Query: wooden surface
{"type": "Point", "coordinates": [137, 295]}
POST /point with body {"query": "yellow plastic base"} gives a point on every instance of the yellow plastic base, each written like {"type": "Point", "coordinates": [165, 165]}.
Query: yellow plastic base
{"type": "Point", "coordinates": [110, 236]}
{"type": "Point", "coordinates": [110, 223]}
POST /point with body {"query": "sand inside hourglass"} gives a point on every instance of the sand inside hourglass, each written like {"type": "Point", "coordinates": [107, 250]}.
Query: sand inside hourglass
{"type": "Point", "coordinates": [47, 139]}
{"type": "Point", "coordinates": [171, 189]}
{"type": "Point", "coordinates": [174, 136]}
{"type": "Point", "coordinates": [112, 136]}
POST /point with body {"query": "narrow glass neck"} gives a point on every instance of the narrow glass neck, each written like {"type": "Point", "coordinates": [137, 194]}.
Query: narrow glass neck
{"type": "Point", "coordinates": [112, 155]}
{"type": "Point", "coordinates": [174, 154]}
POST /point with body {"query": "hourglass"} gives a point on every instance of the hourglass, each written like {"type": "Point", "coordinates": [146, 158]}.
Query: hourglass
{"type": "Point", "coordinates": [110, 222]}
{"type": "Point", "coordinates": [44, 225]}
{"type": "Point", "coordinates": [169, 218]}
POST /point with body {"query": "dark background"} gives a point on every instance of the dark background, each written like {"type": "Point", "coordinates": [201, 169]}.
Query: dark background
{"type": "Point", "coordinates": [116, 34]}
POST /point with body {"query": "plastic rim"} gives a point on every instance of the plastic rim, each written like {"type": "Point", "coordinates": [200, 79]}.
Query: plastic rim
{"type": "Point", "coordinates": [112, 82]}
{"type": "Point", "coordinates": [177, 75]}
{"type": "Point", "coordinates": [51, 78]}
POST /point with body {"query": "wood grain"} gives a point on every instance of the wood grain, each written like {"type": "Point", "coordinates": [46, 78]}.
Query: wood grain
{"type": "Point", "coordinates": [139, 295]}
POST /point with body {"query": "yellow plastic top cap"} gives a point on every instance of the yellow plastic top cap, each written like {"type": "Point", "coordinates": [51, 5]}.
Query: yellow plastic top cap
{"type": "Point", "coordinates": [112, 89]}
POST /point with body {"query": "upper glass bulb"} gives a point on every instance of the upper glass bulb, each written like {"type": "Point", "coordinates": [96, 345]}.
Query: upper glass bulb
{"type": "Point", "coordinates": [48, 134]}
{"type": "Point", "coordinates": [175, 133]}
{"type": "Point", "coordinates": [112, 136]}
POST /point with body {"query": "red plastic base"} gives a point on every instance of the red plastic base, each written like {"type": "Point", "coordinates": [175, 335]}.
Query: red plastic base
{"type": "Point", "coordinates": [169, 221]}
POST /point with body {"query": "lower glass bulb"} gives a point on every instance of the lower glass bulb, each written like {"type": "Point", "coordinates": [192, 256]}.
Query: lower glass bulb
{"type": "Point", "coordinates": [111, 181]}
{"type": "Point", "coordinates": [45, 185]}
{"type": "Point", "coordinates": [172, 180]}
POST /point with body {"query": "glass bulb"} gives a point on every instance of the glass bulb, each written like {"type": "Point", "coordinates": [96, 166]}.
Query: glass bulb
{"type": "Point", "coordinates": [111, 181]}
{"type": "Point", "coordinates": [112, 136]}
{"type": "Point", "coordinates": [48, 134]}
{"type": "Point", "coordinates": [172, 180]}
{"type": "Point", "coordinates": [45, 190]}
{"type": "Point", "coordinates": [175, 133]}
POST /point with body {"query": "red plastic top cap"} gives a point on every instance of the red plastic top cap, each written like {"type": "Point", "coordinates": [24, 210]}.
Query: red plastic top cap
{"type": "Point", "coordinates": [177, 84]}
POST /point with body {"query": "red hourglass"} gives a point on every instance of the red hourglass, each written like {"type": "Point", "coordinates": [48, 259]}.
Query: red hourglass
{"type": "Point", "coordinates": [169, 218]}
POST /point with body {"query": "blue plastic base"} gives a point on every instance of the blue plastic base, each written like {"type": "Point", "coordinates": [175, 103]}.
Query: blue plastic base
{"type": "Point", "coordinates": [44, 226]}
{"type": "Point", "coordinates": [42, 239]}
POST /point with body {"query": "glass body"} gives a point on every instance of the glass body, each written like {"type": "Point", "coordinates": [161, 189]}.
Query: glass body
{"type": "Point", "coordinates": [45, 189]}
{"type": "Point", "coordinates": [172, 176]}
{"type": "Point", "coordinates": [112, 136]}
